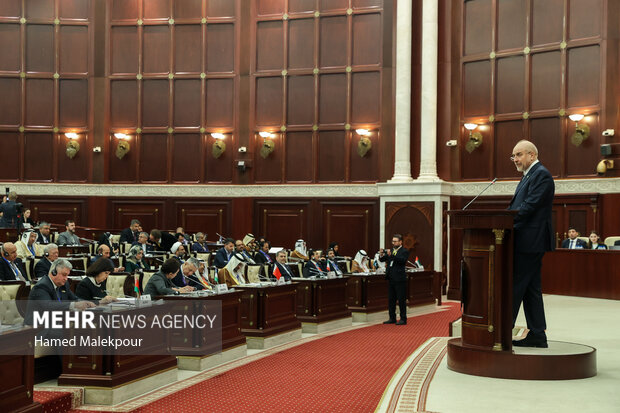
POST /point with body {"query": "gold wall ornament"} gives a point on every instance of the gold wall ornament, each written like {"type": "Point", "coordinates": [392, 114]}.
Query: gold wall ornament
{"type": "Point", "coordinates": [73, 148]}
{"type": "Point", "coordinates": [122, 149]}
{"type": "Point", "coordinates": [363, 146]}
{"type": "Point", "coordinates": [266, 148]}
{"type": "Point", "coordinates": [219, 148]}
{"type": "Point", "coordinates": [499, 236]}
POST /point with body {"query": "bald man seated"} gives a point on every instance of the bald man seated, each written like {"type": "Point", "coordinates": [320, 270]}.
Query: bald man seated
{"type": "Point", "coordinates": [11, 267]}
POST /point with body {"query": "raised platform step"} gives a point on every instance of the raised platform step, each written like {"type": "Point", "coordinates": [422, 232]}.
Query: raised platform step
{"type": "Point", "coordinates": [58, 400]}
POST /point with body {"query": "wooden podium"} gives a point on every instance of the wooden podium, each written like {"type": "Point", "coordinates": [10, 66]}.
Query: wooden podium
{"type": "Point", "coordinates": [485, 346]}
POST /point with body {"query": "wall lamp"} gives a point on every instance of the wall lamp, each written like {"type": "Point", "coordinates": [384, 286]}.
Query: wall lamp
{"type": "Point", "coordinates": [219, 146]}
{"type": "Point", "coordinates": [582, 130]}
{"type": "Point", "coordinates": [122, 147]}
{"type": "Point", "coordinates": [475, 138]}
{"type": "Point", "coordinates": [73, 146]}
{"type": "Point", "coordinates": [268, 143]}
{"type": "Point", "coordinates": [364, 144]}
{"type": "Point", "coordinates": [604, 165]}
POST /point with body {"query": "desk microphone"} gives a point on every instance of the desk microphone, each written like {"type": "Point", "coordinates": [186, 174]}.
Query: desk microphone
{"type": "Point", "coordinates": [481, 192]}
{"type": "Point", "coordinates": [413, 263]}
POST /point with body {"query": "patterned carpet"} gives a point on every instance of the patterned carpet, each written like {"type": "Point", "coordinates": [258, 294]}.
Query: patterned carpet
{"type": "Point", "coordinates": [346, 372]}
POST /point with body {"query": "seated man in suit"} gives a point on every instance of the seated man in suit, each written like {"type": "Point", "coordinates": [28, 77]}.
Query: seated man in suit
{"type": "Point", "coordinates": [11, 267]}
{"type": "Point", "coordinates": [161, 241]}
{"type": "Point", "coordinates": [281, 267]}
{"type": "Point", "coordinates": [130, 235]}
{"type": "Point", "coordinates": [200, 245]}
{"type": "Point", "coordinates": [53, 292]}
{"type": "Point", "coordinates": [27, 246]}
{"type": "Point", "coordinates": [233, 273]}
{"type": "Point", "coordinates": [142, 241]}
{"type": "Point", "coordinates": [330, 263]}
{"type": "Point", "coordinates": [189, 271]}
{"type": "Point", "coordinates": [43, 233]}
{"type": "Point", "coordinates": [222, 256]}
{"type": "Point", "coordinates": [572, 242]}
{"type": "Point", "coordinates": [50, 254]}
{"type": "Point", "coordinates": [241, 248]}
{"type": "Point", "coordinates": [68, 237]}
{"type": "Point", "coordinates": [313, 267]}
{"type": "Point", "coordinates": [160, 283]}
{"type": "Point", "coordinates": [262, 256]}
{"type": "Point", "coordinates": [104, 251]}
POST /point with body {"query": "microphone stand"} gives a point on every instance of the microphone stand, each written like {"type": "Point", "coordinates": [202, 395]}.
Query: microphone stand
{"type": "Point", "coordinates": [481, 192]}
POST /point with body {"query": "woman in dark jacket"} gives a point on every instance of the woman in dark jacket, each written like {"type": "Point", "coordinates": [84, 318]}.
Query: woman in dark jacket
{"type": "Point", "coordinates": [92, 287]}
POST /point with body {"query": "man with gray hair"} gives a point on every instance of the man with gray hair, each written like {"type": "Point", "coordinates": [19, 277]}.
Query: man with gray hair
{"type": "Point", "coordinates": [53, 293]}
{"type": "Point", "coordinates": [201, 243]}
{"type": "Point", "coordinates": [50, 254]}
{"type": "Point", "coordinates": [188, 275]}
{"type": "Point", "coordinates": [43, 237]}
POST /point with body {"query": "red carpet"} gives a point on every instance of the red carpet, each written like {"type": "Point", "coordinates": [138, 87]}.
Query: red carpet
{"type": "Point", "coordinates": [346, 372]}
{"type": "Point", "coordinates": [54, 401]}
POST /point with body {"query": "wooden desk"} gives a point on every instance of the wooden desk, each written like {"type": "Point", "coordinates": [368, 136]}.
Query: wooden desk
{"type": "Point", "coordinates": [420, 288]}
{"type": "Point", "coordinates": [266, 311]}
{"type": "Point", "coordinates": [367, 293]}
{"type": "Point", "coordinates": [194, 344]}
{"type": "Point", "coordinates": [112, 370]}
{"type": "Point", "coordinates": [322, 300]}
{"type": "Point", "coordinates": [65, 250]}
{"type": "Point", "coordinates": [582, 273]}
{"type": "Point", "coordinates": [17, 371]}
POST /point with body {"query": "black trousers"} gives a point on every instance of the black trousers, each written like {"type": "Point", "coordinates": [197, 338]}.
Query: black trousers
{"type": "Point", "coordinates": [397, 290]}
{"type": "Point", "coordinates": [527, 289]}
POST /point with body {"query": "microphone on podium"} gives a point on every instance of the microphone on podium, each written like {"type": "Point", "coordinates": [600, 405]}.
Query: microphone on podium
{"type": "Point", "coordinates": [481, 192]}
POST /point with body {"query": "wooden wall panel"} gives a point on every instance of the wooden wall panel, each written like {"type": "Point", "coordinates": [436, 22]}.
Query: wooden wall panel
{"type": "Point", "coordinates": [40, 48]}
{"type": "Point", "coordinates": [220, 102]}
{"type": "Point", "coordinates": [299, 166]}
{"type": "Point", "coordinates": [10, 45]}
{"type": "Point", "coordinates": [477, 36]}
{"type": "Point", "coordinates": [300, 100]}
{"type": "Point", "coordinates": [547, 22]}
{"type": "Point", "coordinates": [364, 169]}
{"type": "Point", "coordinates": [187, 103]}
{"type": "Point", "coordinates": [476, 88]}
{"type": "Point", "coordinates": [76, 169]}
{"type": "Point", "coordinates": [510, 94]}
{"type": "Point", "coordinates": [584, 79]}
{"type": "Point", "coordinates": [333, 99]}
{"type": "Point", "coordinates": [352, 226]}
{"type": "Point", "coordinates": [124, 49]}
{"type": "Point", "coordinates": [156, 95]}
{"type": "Point", "coordinates": [301, 41]}
{"type": "Point", "coordinates": [154, 158]}
{"type": "Point", "coordinates": [331, 5]}
{"type": "Point", "coordinates": [186, 157]}
{"type": "Point", "coordinates": [40, 9]}
{"type": "Point", "coordinates": [73, 47]}
{"type": "Point", "coordinates": [366, 97]}
{"type": "Point", "coordinates": [477, 165]}
{"type": "Point", "coordinates": [585, 18]}
{"type": "Point", "coordinates": [282, 223]}
{"type": "Point", "coordinates": [150, 213]}
{"type": "Point", "coordinates": [57, 211]}
{"type": "Point", "coordinates": [266, 7]}
{"type": "Point", "coordinates": [221, 48]}
{"type": "Point", "coordinates": [366, 43]}
{"type": "Point", "coordinates": [187, 9]}
{"type": "Point", "coordinates": [546, 80]}
{"type": "Point", "coordinates": [269, 170]}
{"type": "Point", "coordinates": [124, 170]}
{"type": "Point", "coordinates": [71, 9]}
{"type": "Point", "coordinates": [124, 104]}
{"type": "Point", "coordinates": [332, 155]}
{"type": "Point", "coordinates": [333, 46]}
{"type": "Point", "coordinates": [582, 160]}
{"type": "Point", "coordinates": [8, 156]}
{"type": "Point", "coordinates": [546, 133]}
{"type": "Point", "coordinates": [219, 170]}
{"type": "Point", "coordinates": [269, 101]}
{"type": "Point", "coordinates": [10, 104]}
{"type": "Point", "coordinates": [10, 9]}
{"type": "Point", "coordinates": [512, 25]}
{"type": "Point", "coordinates": [157, 9]}
{"type": "Point", "coordinates": [221, 8]}
{"type": "Point", "coordinates": [124, 9]}
{"type": "Point", "coordinates": [209, 217]}
{"type": "Point", "coordinates": [414, 221]}
{"type": "Point", "coordinates": [298, 6]}
{"type": "Point", "coordinates": [39, 95]}
{"type": "Point", "coordinates": [507, 135]}
{"type": "Point", "coordinates": [74, 103]}
{"type": "Point", "coordinates": [269, 49]}
{"type": "Point", "coordinates": [187, 44]}
{"type": "Point", "coordinates": [38, 164]}
{"type": "Point", "coordinates": [156, 57]}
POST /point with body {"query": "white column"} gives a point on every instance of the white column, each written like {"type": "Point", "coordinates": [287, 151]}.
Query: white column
{"type": "Point", "coordinates": [428, 113]}
{"type": "Point", "coordinates": [402, 159]}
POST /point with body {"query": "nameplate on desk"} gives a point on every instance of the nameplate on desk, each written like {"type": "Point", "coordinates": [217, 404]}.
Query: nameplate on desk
{"type": "Point", "coordinates": [221, 288]}
{"type": "Point", "coordinates": [331, 274]}
{"type": "Point", "coordinates": [145, 298]}
{"type": "Point", "coordinates": [281, 281]}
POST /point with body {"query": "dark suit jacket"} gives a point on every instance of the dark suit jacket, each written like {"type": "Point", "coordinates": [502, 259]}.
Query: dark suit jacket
{"type": "Point", "coordinates": [283, 271]}
{"type": "Point", "coordinates": [533, 199]}
{"type": "Point", "coordinates": [86, 290]}
{"type": "Point", "coordinates": [221, 258]}
{"type": "Point", "coordinates": [42, 268]}
{"type": "Point", "coordinates": [43, 297]}
{"type": "Point", "coordinates": [127, 235]}
{"type": "Point", "coordinates": [41, 240]}
{"type": "Point", "coordinates": [6, 272]}
{"type": "Point", "coordinates": [159, 284]}
{"type": "Point", "coordinates": [166, 242]}
{"type": "Point", "coordinates": [395, 265]}
{"type": "Point", "coordinates": [580, 243]}
{"type": "Point", "coordinates": [260, 258]}
{"type": "Point", "coordinates": [310, 269]}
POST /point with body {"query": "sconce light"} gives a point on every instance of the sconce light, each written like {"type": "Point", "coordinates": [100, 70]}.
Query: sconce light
{"type": "Point", "coordinates": [268, 144]}
{"type": "Point", "coordinates": [73, 146]}
{"type": "Point", "coordinates": [475, 138]}
{"type": "Point", "coordinates": [122, 147]}
{"type": "Point", "coordinates": [582, 130]}
{"type": "Point", "coordinates": [604, 165]}
{"type": "Point", "coordinates": [219, 147]}
{"type": "Point", "coordinates": [364, 144]}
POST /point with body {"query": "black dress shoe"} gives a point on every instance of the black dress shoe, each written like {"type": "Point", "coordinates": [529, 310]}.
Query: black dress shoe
{"type": "Point", "coordinates": [532, 340]}
{"type": "Point", "coordinates": [390, 322]}
{"type": "Point", "coordinates": [401, 322]}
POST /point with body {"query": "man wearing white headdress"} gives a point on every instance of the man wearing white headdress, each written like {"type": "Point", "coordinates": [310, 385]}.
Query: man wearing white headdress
{"type": "Point", "coordinates": [178, 251]}
{"type": "Point", "coordinates": [232, 273]}
{"type": "Point", "coordinates": [300, 250]}
{"type": "Point", "coordinates": [27, 246]}
{"type": "Point", "coordinates": [361, 263]}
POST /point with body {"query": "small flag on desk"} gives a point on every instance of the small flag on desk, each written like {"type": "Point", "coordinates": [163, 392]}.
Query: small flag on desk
{"type": "Point", "coordinates": [136, 285]}
{"type": "Point", "coordinates": [417, 262]}
{"type": "Point", "coordinates": [276, 272]}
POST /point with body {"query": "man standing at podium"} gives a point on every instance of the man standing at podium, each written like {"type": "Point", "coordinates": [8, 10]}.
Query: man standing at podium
{"type": "Point", "coordinates": [533, 236]}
